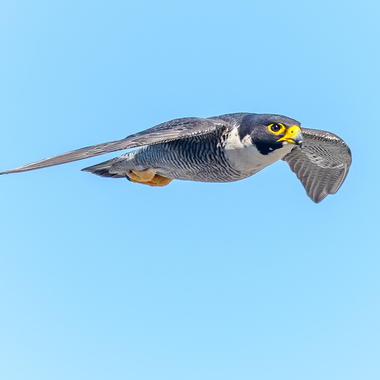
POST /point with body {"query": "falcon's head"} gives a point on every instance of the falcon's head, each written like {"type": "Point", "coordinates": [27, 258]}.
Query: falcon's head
{"type": "Point", "coordinates": [270, 132]}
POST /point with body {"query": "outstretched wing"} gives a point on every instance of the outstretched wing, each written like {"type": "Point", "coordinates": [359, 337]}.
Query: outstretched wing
{"type": "Point", "coordinates": [322, 164]}
{"type": "Point", "coordinates": [169, 131]}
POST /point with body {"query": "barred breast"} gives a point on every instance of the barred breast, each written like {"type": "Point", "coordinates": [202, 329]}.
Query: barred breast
{"type": "Point", "coordinates": [199, 158]}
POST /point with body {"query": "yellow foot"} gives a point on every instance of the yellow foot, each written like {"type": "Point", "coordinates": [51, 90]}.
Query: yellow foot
{"type": "Point", "coordinates": [142, 176]}
{"type": "Point", "coordinates": [148, 177]}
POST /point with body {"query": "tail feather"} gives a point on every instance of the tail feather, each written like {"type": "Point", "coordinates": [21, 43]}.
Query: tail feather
{"type": "Point", "coordinates": [103, 169]}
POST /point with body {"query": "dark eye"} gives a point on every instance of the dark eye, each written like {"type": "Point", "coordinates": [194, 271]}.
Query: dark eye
{"type": "Point", "coordinates": [276, 128]}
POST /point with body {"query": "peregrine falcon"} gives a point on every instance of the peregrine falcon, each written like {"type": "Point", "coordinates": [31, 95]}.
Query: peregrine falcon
{"type": "Point", "coordinates": [220, 149]}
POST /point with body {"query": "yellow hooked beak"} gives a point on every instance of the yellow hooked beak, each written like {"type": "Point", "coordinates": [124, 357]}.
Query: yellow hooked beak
{"type": "Point", "coordinates": [293, 135]}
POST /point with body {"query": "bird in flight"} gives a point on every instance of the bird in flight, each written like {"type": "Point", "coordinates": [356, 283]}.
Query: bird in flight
{"type": "Point", "coordinates": [222, 148]}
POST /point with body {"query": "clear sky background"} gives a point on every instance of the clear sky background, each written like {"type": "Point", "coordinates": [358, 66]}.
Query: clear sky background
{"type": "Point", "coordinates": [104, 279]}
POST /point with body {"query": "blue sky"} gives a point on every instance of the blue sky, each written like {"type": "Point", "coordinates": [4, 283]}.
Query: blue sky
{"type": "Point", "coordinates": [104, 279]}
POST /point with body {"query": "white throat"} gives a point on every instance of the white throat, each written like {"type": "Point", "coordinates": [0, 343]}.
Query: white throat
{"type": "Point", "coordinates": [244, 157]}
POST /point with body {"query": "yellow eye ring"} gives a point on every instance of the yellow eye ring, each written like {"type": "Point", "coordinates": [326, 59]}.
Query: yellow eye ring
{"type": "Point", "coordinates": [276, 128]}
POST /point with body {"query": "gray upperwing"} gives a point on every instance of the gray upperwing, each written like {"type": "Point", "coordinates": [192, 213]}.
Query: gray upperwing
{"type": "Point", "coordinates": [169, 131]}
{"type": "Point", "coordinates": [322, 164]}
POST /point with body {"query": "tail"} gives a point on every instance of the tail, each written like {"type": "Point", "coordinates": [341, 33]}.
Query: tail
{"type": "Point", "coordinates": [104, 169]}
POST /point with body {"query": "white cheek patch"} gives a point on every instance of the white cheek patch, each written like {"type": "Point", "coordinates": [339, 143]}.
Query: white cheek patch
{"type": "Point", "coordinates": [242, 155]}
{"type": "Point", "coordinates": [233, 141]}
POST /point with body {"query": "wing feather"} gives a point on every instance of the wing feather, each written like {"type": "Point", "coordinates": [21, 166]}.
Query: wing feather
{"type": "Point", "coordinates": [322, 164]}
{"type": "Point", "coordinates": [169, 131]}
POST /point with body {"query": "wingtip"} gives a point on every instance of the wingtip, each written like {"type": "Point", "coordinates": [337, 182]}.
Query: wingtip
{"type": "Point", "coordinates": [319, 199]}
{"type": "Point", "coordinates": [17, 170]}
